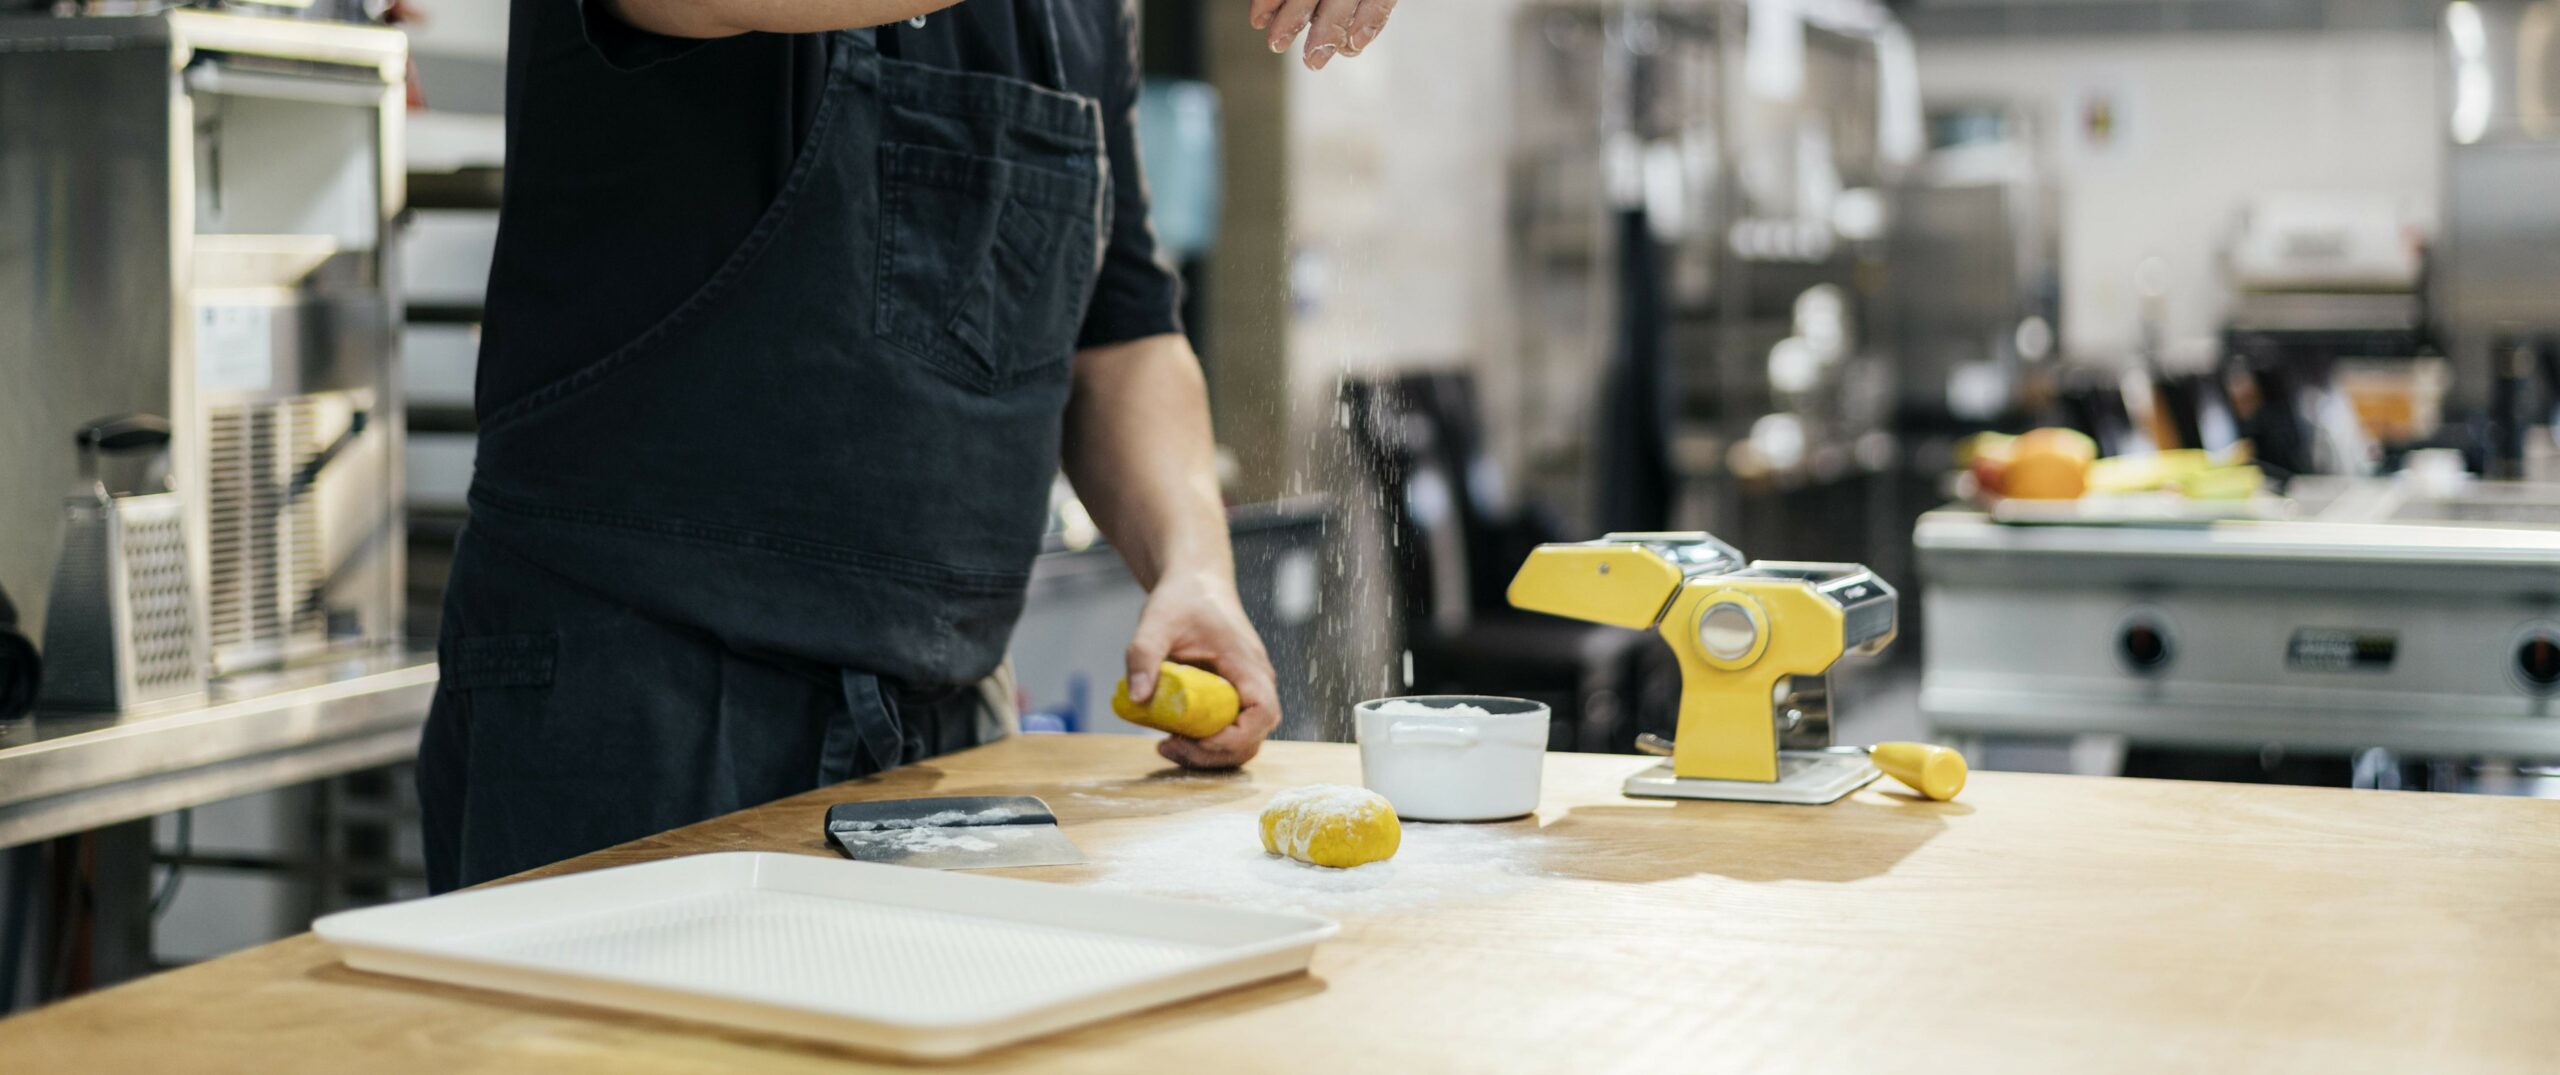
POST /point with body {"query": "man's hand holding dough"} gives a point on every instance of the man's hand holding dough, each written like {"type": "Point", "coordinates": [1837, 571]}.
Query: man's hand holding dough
{"type": "Point", "coordinates": [1201, 622]}
{"type": "Point", "coordinates": [1139, 452]}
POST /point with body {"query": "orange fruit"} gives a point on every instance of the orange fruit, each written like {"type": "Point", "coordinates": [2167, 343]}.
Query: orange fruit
{"type": "Point", "coordinates": [2046, 474]}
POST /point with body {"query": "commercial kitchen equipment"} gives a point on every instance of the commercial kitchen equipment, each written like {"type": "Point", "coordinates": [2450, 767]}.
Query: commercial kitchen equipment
{"type": "Point", "coordinates": [198, 227]}
{"type": "Point", "coordinates": [2389, 613]}
{"type": "Point", "coordinates": [1974, 262]}
{"type": "Point", "coordinates": [125, 627]}
{"type": "Point", "coordinates": [1698, 214]}
{"type": "Point", "coordinates": [2326, 336]}
{"type": "Point", "coordinates": [2326, 274]}
{"type": "Point", "coordinates": [103, 776]}
{"type": "Point", "coordinates": [2499, 252]}
{"type": "Point", "coordinates": [1755, 642]}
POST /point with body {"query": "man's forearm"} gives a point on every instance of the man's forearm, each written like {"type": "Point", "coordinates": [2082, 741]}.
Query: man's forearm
{"type": "Point", "coordinates": [727, 18]}
{"type": "Point", "coordinates": [1139, 451]}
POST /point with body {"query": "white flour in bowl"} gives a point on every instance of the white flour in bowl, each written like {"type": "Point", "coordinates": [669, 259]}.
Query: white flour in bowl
{"type": "Point", "coordinates": [1218, 858]}
{"type": "Point", "coordinates": [1407, 707]}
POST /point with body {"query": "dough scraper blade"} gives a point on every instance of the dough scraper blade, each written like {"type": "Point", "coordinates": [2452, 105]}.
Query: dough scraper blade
{"type": "Point", "coordinates": [956, 832]}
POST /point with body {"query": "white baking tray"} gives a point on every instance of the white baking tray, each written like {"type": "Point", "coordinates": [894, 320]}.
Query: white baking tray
{"type": "Point", "coordinates": [899, 961]}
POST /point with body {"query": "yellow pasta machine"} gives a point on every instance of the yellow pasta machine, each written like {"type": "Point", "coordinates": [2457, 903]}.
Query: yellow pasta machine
{"type": "Point", "coordinates": [1755, 641]}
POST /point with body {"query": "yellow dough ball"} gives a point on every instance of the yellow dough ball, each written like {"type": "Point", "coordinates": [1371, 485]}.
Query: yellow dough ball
{"type": "Point", "coordinates": [1193, 702]}
{"type": "Point", "coordinates": [1331, 825]}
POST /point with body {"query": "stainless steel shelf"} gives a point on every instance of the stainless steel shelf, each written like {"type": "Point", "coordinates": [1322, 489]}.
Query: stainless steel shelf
{"type": "Point", "coordinates": [71, 772]}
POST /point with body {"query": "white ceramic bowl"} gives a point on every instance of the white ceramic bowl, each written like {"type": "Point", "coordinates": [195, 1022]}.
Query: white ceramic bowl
{"type": "Point", "coordinates": [1449, 766]}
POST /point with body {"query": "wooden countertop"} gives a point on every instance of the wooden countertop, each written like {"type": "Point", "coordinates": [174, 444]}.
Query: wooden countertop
{"type": "Point", "coordinates": [2040, 924]}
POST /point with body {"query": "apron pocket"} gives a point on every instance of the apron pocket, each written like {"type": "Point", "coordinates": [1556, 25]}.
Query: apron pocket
{"type": "Point", "coordinates": [984, 263]}
{"type": "Point", "coordinates": [612, 734]}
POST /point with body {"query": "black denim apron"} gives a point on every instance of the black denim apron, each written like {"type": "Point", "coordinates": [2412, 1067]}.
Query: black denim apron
{"type": "Point", "coordinates": [692, 565]}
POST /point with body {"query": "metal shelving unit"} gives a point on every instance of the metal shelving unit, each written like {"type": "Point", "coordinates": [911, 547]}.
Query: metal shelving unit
{"type": "Point", "coordinates": [1661, 116]}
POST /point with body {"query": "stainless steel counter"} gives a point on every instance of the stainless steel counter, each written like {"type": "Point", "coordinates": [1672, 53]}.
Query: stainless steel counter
{"type": "Point", "coordinates": [2427, 624]}
{"type": "Point", "coordinates": [71, 772]}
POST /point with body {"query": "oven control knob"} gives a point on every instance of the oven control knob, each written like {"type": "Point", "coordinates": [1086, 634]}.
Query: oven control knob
{"type": "Point", "coordinates": [2538, 662]}
{"type": "Point", "coordinates": [2144, 645]}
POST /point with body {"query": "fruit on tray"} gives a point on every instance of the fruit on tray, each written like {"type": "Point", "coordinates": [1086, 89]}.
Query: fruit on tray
{"type": "Point", "coordinates": [2040, 464]}
{"type": "Point", "coordinates": [2063, 464]}
{"type": "Point", "coordinates": [1980, 445]}
{"type": "Point", "coordinates": [1985, 457]}
{"type": "Point", "coordinates": [1331, 825]}
{"type": "Point", "coordinates": [2222, 483]}
{"type": "Point", "coordinates": [2045, 475]}
{"type": "Point", "coordinates": [2146, 473]}
{"type": "Point", "coordinates": [2055, 440]}
{"type": "Point", "coordinates": [1193, 702]}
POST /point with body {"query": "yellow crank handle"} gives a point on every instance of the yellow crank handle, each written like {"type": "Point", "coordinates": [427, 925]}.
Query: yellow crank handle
{"type": "Point", "coordinates": [1933, 771]}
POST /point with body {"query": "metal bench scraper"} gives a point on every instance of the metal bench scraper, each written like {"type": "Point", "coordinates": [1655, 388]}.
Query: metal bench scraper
{"type": "Point", "coordinates": [958, 832]}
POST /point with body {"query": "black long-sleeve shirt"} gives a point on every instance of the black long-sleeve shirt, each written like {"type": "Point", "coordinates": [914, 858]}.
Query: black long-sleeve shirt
{"type": "Point", "coordinates": [636, 163]}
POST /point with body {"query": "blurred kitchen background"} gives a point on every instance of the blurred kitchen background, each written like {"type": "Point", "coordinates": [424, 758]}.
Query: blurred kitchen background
{"type": "Point", "coordinates": [1530, 270]}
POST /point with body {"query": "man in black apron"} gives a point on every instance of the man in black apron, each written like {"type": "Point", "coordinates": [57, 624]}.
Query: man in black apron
{"type": "Point", "coordinates": [797, 310]}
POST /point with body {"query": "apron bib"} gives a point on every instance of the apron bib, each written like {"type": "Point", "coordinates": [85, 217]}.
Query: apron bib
{"type": "Point", "coordinates": [840, 449]}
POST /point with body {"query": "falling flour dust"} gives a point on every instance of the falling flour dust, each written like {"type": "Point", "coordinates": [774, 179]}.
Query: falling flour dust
{"type": "Point", "coordinates": [1218, 858]}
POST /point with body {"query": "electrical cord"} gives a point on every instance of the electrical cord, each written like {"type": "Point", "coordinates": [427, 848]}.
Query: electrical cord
{"type": "Point", "coordinates": [71, 904]}
{"type": "Point", "coordinates": [168, 889]}
{"type": "Point", "coordinates": [22, 866]}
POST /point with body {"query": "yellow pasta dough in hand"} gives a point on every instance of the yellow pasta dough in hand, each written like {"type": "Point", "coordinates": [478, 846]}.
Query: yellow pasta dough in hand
{"type": "Point", "coordinates": [1191, 702]}
{"type": "Point", "coordinates": [1331, 825]}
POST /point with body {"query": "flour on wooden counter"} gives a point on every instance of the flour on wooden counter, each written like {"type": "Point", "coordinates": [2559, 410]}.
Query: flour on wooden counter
{"type": "Point", "coordinates": [1105, 793]}
{"type": "Point", "coordinates": [1218, 858]}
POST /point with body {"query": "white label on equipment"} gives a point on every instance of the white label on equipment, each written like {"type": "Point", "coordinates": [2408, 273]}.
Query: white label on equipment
{"type": "Point", "coordinates": [235, 348]}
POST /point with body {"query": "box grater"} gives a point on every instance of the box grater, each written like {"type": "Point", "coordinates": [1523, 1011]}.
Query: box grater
{"type": "Point", "coordinates": [123, 625]}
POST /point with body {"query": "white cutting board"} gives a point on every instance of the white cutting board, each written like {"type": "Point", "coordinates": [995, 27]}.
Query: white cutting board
{"type": "Point", "coordinates": [906, 962]}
